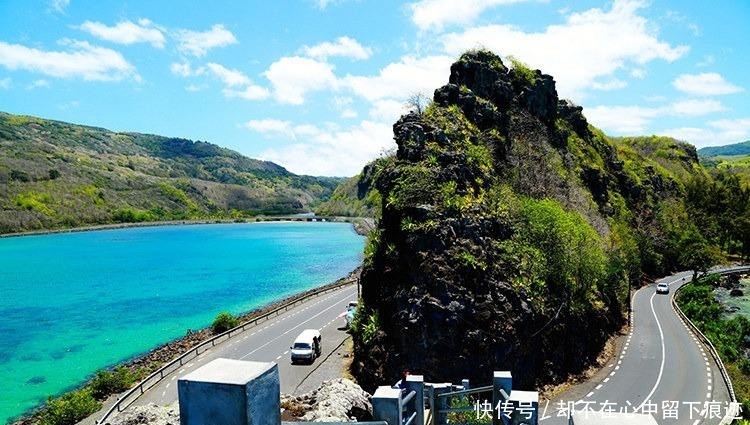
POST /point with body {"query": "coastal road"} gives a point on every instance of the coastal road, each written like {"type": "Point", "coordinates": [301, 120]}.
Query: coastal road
{"type": "Point", "coordinates": [269, 342]}
{"type": "Point", "coordinates": [663, 370]}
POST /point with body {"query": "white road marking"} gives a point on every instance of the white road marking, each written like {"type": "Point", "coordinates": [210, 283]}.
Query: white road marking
{"type": "Point", "coordinates": [589, 394]}
{"type": "Point", "coordinates": [663, 356]}
{"type": "Point", "coordinates": [598, 386]}
{"type": "Point", "coordinates": [289, 330]}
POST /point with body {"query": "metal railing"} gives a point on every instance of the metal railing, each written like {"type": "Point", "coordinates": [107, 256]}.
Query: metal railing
{"type": "Point", "coordinates": [442, 403]}
{"type": "Point", "coordinates": [702, 336]}
{"type": "Point", "coordinates": [154, 378]}
{"type": "Point", "coordinates": [405, 404]}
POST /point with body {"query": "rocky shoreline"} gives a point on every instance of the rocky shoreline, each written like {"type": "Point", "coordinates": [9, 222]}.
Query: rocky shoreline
{"type": "Point", "coordinates": [731, 287]}
{"type": "Point", "coordinates": [171, 350]}
{"type": "Point", "coordinates": [362, 225]}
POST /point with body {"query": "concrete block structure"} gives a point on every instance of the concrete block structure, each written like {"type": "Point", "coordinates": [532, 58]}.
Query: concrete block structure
{"type": "Point", "coordinates": [230, 392]}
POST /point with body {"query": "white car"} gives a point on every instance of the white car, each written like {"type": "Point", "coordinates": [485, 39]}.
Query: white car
{"type": "Point", "coordinates": [662, 288]}
{"type": "Point", "coordinates": [306, 347]}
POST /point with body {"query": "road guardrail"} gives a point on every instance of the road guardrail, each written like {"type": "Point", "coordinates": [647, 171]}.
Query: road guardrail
{"type": "Point", "coordinates": [130, 396]}
{"type": "Point", "coordinates": [715, 354]}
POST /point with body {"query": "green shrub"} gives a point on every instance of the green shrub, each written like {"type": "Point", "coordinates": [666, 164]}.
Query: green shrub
{"type": "Point", "coordinates": [522, 70]}
{"type": "Point", "coordinates": [224, 322]}
{"type": "Point", "coordinates": [365, 324]}
{"type": "Point", "coordinates": [111, 382]}
{"type": "Point", "coordinates": [69, 408]}
{"type": "Point", "coordinates": [34, 201]}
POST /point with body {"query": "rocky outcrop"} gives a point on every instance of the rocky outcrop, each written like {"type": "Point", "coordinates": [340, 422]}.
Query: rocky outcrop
{"type": "Point", "coordinates": [150, 414]}
{"type": "Point", "coordinates": [441, 289]}
{"type": "Point", "coordinates": [338, 400]}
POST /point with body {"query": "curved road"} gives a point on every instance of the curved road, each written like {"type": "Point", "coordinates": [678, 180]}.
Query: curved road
{"type": "Point", "coordinates": [663, 371]}
{"type": "Point", "coordinates": [269, 342]}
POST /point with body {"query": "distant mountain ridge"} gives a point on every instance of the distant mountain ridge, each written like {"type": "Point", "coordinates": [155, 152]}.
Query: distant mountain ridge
{"type": "Point", "coordinates": [742, 148]}
{"type": "Point", "coordinates": [60, 175]}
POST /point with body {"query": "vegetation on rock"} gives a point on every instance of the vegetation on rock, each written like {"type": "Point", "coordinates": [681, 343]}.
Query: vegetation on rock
{"type": "Point", "coordinates": [508, 223]}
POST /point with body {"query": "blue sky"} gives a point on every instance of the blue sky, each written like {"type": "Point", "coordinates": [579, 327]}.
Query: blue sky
{"type": "Point", "coordinates": [316, 85]}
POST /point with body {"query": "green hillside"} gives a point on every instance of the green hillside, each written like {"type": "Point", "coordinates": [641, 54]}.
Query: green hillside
{"type": "Point", "coordinates": [60, 175]}
{"type": "Point", "coordinates": [742, 149]}
{"type": "Point", "coordinates": [731, 159]}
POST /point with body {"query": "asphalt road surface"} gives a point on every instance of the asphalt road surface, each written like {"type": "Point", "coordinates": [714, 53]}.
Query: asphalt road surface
{"type": "Point", "coordinates": [270, 342]}
{"type": "Point", "coordinates": [662, 371]}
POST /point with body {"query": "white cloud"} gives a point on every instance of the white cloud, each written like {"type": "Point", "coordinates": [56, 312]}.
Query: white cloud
{"type": "Point", "coordinates": [638, 73]}
{"type": "Point", "coordinates": [59, 6]}
{"type": "Point", "coordinates": [612, 84]}
{"type": "Point", "coordinates": [199, 43]}
{"type": "Point", "coordinates": [186, 70]}
{"type": "Point", "coordinates": [331, 151]}
{"type": "Point", "coordinates": [343, 46]}
{"type": "Point", "coordinates": [705, 84]}
{"type": "Point", "coordinates": [716, 133]}
{"type": "Point", "coordinates": [271, 127]}
{"type": "Point", "coordinates": [590, 46]}
{"type": "Point", "coordinates": [195, 88]}
{"type": "Point", "coordinates": [249, 92]}
{"type": "Point", "coordinates": [401, 79]}
{"type": "Point", "coordinates": [695, 107]}
{"type": "Point", "coordinates": [293, 77]}
{"type": "Point", "coordinates": [38, 84]}
{"type": "Point", "coordinates": [637, 119]}
{"type": "Point", "coordinates": [6, 83]}
{"type": "Point", "coordinates": [237, 84]}
{"type": "Point", "coordinates": [230, 77]}
{"type": "Point", "coordinates": [345, 106]}
{"type": "Point", "coordinates": [436, 14]}
{"type": "Point", "coordinates": [82, 60]}
{"type": "Point", "coordinates": [621, 119]}
{"type": "Point", "coordinates": [126, 32]}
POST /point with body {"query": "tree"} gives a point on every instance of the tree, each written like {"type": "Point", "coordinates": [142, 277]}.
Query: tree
{"type": "Point", "coordinates": [224, 322]}
{"type": "Point", "coordinates": [741, 227]}
{"type": "Point", "coordinates": [417, 102]}
{"type": "Point", "coordinates": [697, 254]}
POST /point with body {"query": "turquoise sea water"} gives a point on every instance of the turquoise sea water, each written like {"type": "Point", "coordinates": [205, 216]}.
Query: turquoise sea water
{"type": "Point", "coordinates": [73, 303]}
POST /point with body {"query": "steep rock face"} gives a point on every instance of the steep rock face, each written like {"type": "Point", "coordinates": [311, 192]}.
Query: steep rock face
{"type": "Point", "coordinates": [444, 285]}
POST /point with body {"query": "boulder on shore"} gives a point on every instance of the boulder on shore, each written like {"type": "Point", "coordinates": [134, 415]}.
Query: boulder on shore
{"type": "Point", "coordinates": [150, 414]}
{"type": "Point", "coordinates": [337, 400]}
